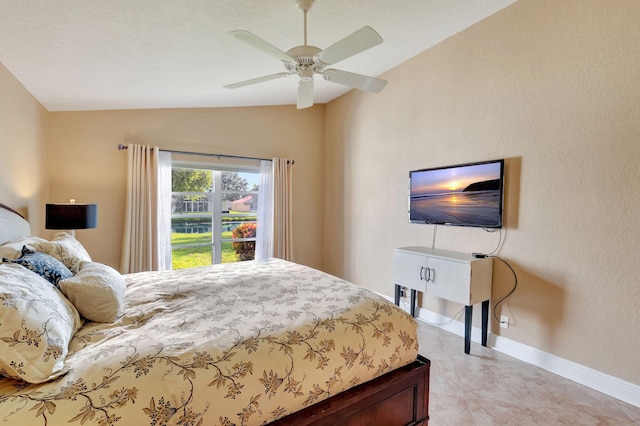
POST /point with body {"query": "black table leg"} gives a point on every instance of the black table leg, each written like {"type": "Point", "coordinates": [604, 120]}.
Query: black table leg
{"type": "Point", "coordinates": [485, 321]}
{"type": "Point", "coordinates": [468, 315]}
{"type": "Point", "coordinates": [413, 302]}
{"type": "Point", "coordinates": [413, 299]}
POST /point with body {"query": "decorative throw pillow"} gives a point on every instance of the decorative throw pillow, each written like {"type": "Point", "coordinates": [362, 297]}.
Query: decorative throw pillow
{"type": "Point", "coordinates": [42, 264]}
{"type": "Point", "coordinates": [36, 325]}
{"type": "Point", "coordinates": [66, 249]}
{"type": "Point", "coordinates": [13, 249]}
{"type": "Point", "coordinates": [97, 291]}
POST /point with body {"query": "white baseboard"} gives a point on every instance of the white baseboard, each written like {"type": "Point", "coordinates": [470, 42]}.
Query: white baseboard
{"type": "Point", "coordinates": [601, 382]}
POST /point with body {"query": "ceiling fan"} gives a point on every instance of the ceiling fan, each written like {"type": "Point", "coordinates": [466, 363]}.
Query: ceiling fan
{"type": "Point", "coordinates": [306, 60]}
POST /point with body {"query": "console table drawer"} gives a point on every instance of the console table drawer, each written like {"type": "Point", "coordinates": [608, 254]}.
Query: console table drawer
{"type": "Point", "coordinates": [409, 270]}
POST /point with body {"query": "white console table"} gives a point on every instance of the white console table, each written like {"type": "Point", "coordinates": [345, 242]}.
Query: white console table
{"type": "Point", "coordinates": [454, 276]}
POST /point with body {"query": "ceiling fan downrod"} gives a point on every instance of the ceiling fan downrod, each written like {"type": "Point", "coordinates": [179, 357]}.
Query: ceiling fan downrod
{"type": "Point", "coordinates": [305, 7]}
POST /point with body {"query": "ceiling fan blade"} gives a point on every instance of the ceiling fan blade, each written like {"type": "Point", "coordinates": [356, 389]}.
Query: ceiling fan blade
{"type": "Point", "coordinates": [359, 41]}
{"type": "Point", "coordinates": [258, 43]}
{"type": "Point", "coordinates": [256, 80]}
{"type": "Point", "coordinates": [357, 81]}
{"type": "Point", "coordinates": [305, 93]}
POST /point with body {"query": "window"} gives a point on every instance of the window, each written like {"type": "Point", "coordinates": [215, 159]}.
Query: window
{"type": "Point", "coordinates": [214, 212]}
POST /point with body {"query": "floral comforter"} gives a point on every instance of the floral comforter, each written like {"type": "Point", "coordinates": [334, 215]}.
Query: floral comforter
{"type": "Point", "coordinates": [234, 344]}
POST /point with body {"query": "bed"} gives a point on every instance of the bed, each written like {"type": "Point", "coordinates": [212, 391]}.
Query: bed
{"type": "Point", "coordinates": [249, 343]}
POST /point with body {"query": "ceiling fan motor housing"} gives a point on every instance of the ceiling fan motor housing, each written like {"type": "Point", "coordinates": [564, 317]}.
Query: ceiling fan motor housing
{"type": "Point", "coordinates": [304, 58]}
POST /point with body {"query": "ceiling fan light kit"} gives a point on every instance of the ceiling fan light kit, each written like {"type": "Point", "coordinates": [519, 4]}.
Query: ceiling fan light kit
{"type": "Point", "coordinates": [306, 60]}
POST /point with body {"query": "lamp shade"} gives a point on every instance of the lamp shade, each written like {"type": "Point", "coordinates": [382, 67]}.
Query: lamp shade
{"type": "Point", "coordinates": [71, 216]}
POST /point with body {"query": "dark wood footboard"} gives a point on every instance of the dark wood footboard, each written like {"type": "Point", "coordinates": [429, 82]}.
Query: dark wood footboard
{"type": "Point", "coordinates": [400, 397]}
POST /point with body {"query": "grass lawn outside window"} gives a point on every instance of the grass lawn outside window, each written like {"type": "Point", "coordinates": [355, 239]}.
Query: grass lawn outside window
{"type": "Point", "coordinates": [198, 256]}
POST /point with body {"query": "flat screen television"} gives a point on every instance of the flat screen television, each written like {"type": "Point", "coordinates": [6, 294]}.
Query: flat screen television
{"type": "Point", "coordinates": [461, 195]}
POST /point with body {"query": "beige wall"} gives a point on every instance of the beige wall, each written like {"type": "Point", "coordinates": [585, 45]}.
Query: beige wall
{"type": "Point", "coordinates": [23, 183]}
{"type": "Point", "coordinates": [553, 87]}
{"type": "Point", "coordinates": [87, 166]}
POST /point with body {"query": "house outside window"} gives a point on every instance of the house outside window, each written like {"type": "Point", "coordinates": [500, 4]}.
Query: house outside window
{"type": "Point", "coordinates": [214, 213]}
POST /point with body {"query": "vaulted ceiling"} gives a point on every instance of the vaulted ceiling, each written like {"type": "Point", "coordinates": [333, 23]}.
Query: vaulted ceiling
{"type": "Point", "coordinates": [123, 54]}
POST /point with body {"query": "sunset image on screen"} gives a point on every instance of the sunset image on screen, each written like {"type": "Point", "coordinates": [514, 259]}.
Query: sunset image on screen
{"type": "Point", "coordinates": [461, 195]}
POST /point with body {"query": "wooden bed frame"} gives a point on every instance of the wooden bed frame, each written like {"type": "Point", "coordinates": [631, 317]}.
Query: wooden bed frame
{"type": "Point", "coordinates": [400, 397]}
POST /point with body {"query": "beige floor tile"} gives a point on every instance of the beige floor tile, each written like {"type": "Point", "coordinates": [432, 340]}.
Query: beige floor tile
{"type": "Point", "coordinates": [448, 410]}
{"type": "Point", "coordinates": [490, 388]}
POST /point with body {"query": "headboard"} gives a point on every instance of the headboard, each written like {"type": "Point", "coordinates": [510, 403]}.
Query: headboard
{"type": "Point", "coordinates": [12, 225]}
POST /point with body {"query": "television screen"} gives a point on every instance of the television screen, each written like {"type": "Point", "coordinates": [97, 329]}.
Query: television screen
{"type": "Point", "coordinates": [463, 195]}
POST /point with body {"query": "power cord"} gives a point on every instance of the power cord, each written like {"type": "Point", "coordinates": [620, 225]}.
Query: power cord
{"type": "Point", "coordinates": [500, 240]}
{"type": "Point", "coordinates": [433, 240]}
{"type": "Point", "coordinates": [515, 276]}
{"type": "Point", "coordinates": [515, 285]}
{"type": "Point", "coordinates": [403, 303]}
{"type": "Point", "coordinates": [454, 318]}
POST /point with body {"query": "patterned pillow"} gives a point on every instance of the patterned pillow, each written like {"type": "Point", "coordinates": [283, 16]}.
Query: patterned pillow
{"type": "Point", "coordinates": [66, 249]}
{"type": "Point", "coordinates": [13, 249]}
{"type": "Point", "coordinates": [36, 325]}
{"type": "Point", "coordinates": [97, 291]}
{"type": "Point", "coordinates": [42, 264]}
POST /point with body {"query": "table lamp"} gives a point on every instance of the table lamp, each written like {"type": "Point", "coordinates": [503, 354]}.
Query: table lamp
{"type": "Point", "coordinates": [71, 216]}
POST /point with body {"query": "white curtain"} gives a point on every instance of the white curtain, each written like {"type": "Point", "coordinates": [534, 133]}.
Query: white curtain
{"type": "Point", "coordinates": [141, 243]}
{"type": "Point", "coordinates": [264, 231]}
{"type": "Point", "coordinates": [274, 231]}
{"type": "Point", "coordinates": [282, 217]}
{"type": "Point", "coordinates": [164, 210]}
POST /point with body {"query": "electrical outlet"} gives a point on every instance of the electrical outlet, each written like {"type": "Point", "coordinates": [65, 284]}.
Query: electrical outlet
{"type": "Point", "coordinates": [404, 292]}
{"type": "Point", "coordinates": [504, 321]}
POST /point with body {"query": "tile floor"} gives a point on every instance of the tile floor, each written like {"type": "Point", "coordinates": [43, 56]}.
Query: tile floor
{"type": "Point", "coordinates": [487, 387]}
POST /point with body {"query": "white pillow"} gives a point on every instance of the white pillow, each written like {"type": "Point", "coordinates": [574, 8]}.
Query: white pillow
{"type": "Point", "coordinates": [97, 291]}
{"type": "Point", "coordinates": [66, 249]}
{"type": "Point", "coordinates": [36, 325]}
{"type": "Point", "coordinates": [13, 249]}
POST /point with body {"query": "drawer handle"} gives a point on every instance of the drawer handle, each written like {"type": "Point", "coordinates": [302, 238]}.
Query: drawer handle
{"type": "Point", "coordinates": [430, 274]}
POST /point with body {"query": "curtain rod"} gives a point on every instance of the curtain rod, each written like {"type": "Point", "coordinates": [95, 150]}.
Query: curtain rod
{"type": "Point", "coordinates": [122, 147]}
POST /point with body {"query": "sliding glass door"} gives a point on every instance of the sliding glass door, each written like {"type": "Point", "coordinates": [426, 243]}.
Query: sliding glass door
{"type": "Point", "coordinates": [213, 215]}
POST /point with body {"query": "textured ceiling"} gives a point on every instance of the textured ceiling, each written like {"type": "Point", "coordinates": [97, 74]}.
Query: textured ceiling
{"type": "Point", "coordinates": [121, 54]}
